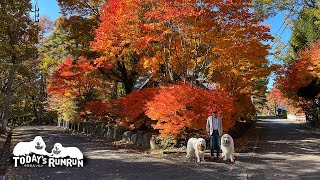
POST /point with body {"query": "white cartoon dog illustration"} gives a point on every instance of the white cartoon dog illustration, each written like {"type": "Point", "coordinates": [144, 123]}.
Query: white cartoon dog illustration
{"type": "Point", "coordinates": [37, 146]}
{"type": "Point", "coordinates": [59, 151]}
{"type": "Point", "coordinates": [198, 147]}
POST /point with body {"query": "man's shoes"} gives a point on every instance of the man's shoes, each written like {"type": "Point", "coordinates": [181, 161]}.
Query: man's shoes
{"type": "Point", "coordinates": [219, 159]}
{"type": "Point", "coordinates": [213, 158]}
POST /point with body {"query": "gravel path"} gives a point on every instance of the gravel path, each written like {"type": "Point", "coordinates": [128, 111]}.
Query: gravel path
{"type": "Point", "coordinates": [104, 161]}
{"type": "Point", "coordinates": [283, 150]}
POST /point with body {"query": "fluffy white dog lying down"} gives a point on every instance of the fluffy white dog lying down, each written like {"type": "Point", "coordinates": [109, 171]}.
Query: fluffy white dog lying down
{"type": "Point", "coordinates": [197, 146]}
{"type": "Point", "coordinates": [37, 146]}
{"type": "Point", "coordinates": [227, 147]}
{"type": "Point", "coordinates": [59, 151]}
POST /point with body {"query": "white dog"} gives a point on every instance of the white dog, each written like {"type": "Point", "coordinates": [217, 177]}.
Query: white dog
{"type": "Point", "coordinates": [59, 151]}
{"type": "Point", "coordinates": [227, 147]}
{"type": "Point", "coordinates": [197, 146]}
{"type": "Point", "coordinates": [37, 146]}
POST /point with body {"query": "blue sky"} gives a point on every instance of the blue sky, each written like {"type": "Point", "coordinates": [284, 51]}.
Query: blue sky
{"type": "Point", "coordinates": [276, 29]}
{"type": "Point", "coordinates": [50, 8]}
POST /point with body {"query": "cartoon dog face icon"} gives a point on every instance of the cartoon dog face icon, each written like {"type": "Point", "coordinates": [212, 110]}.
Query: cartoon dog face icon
{"type": "Point", "coordinates": [57, 148]}
{"type": "Point", "coordinates": [37, 146]}
{"type": "Point", "coordinates": [39, 143]}
{"type": "Point", "coordinates": [58, 151]}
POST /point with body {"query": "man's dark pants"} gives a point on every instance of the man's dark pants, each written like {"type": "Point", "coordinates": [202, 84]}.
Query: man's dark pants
{"type": "Point", "coordinates": [215, 142]}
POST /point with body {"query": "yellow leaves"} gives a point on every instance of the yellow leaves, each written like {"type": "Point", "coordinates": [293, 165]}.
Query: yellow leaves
{"type": "Point", "coordinates": [152, 63]}
{"type": "Point", "coordinates": [200, 59]}
{"type": "Point", "coordinates": [266, 1]}
{"type": "Point", "coordinates": [67, 94]}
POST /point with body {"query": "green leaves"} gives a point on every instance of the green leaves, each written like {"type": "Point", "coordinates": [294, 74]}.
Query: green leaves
{"type": "Point", "coordinates": [18, 38]}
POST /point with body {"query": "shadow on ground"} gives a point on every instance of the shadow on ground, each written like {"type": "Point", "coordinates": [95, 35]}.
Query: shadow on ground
{"type": "Point", "coordinates": [105, 161]}
{"type": "Point", "coordinates": [283, 150]}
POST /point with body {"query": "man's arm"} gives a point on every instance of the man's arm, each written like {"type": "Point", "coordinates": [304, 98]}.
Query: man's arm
{"type": "Point", "coordinates": [220, 124]}
{"type": "Point", "coordinates": [208, 125]}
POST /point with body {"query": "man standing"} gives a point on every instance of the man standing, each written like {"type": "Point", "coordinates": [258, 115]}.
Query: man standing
{"type": "Point", "coordinates": [214, 129]}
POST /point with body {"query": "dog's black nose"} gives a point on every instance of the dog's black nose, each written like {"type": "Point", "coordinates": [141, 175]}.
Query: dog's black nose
{"type": "Point", "coordinates": [38, 143]}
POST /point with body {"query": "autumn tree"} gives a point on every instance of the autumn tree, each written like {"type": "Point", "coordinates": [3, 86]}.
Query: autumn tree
{"type": "Point", "coordinates": [17, 45]}
{"type": "Point", "coordinates": [238, 59]}
{"type": "Point", "coordinates": [128, 111]}
{"type": "Point", "coordinates": [45, 28]}
{"type": "Point", "coordinates": [118, 62]}
{"type": "Point", "coordinates": [71, 40]}
{"type": "Point", "coordinates": [174, 41]}
{"type": "Point", "coordinates": [275, 98]}
{"type": "Point", "coordinates": [74, 78]}
{"type": "Point", "coordinates": [179, 40]}
{"type": "Point", "coordinates": [75, 82]}
{"type": "Point", "coordinates": [270, 8]}
{"type": "Point", "coordinates": [173, 110]}
{"type": "Point", "coordinates": [73, 33]}
{"type": "Point", "coordinates": [301, 81]}
{"type": "Point", "coordinates": [301, 16]}
{"type": "Point", "coordinates": [183, 108]}
{"type": "Point", "coordinates": [81, 7]}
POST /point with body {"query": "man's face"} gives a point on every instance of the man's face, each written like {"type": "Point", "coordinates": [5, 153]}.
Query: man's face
{"type": "Point", "coordinates": [214, 114]}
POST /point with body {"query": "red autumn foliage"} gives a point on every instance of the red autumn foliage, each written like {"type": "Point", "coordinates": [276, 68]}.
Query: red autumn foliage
{"type": "Point", "coordinates": [130, 109]}
{"type": "Point", "coordinates": [275, 98]}
{"type": "Point", "coordinates": [302, 71]}
{"type": "Point", "coordinates": [276, 95]}
{"type": "Point", "coordinates": [73, 78]}
{"type": "Point", "coordinates": [137, 35]}
{"type": "Point", "coordinates": [134, 104]}
{"type": "Point", "coordinates": [169, 109]}
{"type": "Point", "coordinates": [100, 110]}
{"type": "Point", "coordinates": [183, 106]}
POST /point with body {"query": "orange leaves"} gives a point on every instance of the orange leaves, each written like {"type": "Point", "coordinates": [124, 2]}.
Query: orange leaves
{"type": "Point", "coordinates": [173, 108]}
{"type": "Point", "coordinates": [182, 106]}
{"type": "Point", "coordinates": [118, 27]}
{"type": "Point", "coordinates": [72, 79]}
{"type": "Point", "coordinates": [100, 110]}
{"type": "Point", "coordinates": [134, 104]}
{"type": "Point", "coordinates": [170, 39]}
{"type": "Point", "coordinates": [237, 56]}
{"type": "Point", "coordinates": [302, 72]}
{"type": "Point", "coordinates": [172, 10]}
{"type": "Point", "coordinates": [275, 98]}
{"type": "Point", "coordinates": [139, 26]}
{"type": "Point", "coordinates": [151, 63]}
{"type": "Point", "coordinates": [130, 108]}
{"type": "Point", "coordinates": [177, 34]}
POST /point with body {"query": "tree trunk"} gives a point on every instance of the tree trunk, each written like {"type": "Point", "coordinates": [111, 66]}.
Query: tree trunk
{"type": "Point", "coordinates": [41, 98]}
{"type": "Point", "coordinates": [35, 109]}
{"type": "Point", "coordinates": [128, 85]}
{"type": "Point", "coordinates": [115, 90]}
{"type": "Point", "coordinates": [126, 78]}
{"type": "Point", "coordinates": [7, 99]}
